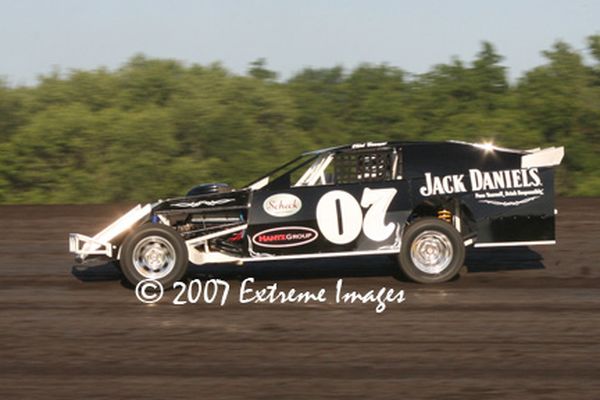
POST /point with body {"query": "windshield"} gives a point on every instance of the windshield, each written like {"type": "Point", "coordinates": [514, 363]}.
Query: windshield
{"type": "Point", "coordinates": [286, 169]}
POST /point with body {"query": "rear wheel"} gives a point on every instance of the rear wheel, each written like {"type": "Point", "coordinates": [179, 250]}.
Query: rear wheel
{"type": "Point", "coordinates": [154, 251]}
{"type": "Point", "coordinates": [432, 251]}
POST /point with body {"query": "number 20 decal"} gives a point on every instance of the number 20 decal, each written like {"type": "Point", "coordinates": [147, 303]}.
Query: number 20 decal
{"type": "Point", "coordinates": [340, 216]}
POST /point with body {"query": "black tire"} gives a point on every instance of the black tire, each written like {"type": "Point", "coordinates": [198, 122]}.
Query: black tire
{"type": "Point", "coordinates": [157, 236]}
{"type": "Point", "coordinates": [422, 235]}
{"type": "Point", "coordinates": [117, 265]}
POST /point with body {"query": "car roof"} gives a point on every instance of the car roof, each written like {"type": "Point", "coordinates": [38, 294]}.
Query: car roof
{"type": "Point", "coordinates": [375, 145]}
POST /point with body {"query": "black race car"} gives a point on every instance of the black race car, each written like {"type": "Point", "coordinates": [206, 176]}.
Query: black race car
{"type": "Point", "coordinates": [424, 202]}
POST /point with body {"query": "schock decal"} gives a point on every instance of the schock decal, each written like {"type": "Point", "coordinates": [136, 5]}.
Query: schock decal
{"type": "Point", "coordinates": [282, 205]}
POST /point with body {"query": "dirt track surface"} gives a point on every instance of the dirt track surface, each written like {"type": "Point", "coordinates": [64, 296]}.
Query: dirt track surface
{"type": "Point", "coordinates": [522, 323]}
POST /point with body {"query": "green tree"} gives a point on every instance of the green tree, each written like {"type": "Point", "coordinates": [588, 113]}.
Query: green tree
{"type": "Point", "coordinates": [258, 69]}
{"type": "Point", "coordinates": [153, 128]}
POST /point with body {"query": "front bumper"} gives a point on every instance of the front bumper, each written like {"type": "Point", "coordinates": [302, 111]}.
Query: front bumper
{"type": "Point", "coordinates": [84, 246]}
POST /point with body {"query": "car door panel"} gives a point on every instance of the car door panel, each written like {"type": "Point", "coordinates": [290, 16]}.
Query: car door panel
{"type": "Point", "coordinates": [329, 218]}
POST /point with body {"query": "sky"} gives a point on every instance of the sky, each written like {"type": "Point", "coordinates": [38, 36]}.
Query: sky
{"type": "Point", "coordinates": [39, 36]}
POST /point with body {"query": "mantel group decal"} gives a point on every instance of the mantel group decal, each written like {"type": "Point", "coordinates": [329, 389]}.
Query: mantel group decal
{"type": "Point", "coordinates": [289, 236]}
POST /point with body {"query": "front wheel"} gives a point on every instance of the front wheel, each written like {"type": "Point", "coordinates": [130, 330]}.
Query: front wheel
{"type": "Point", "coordinates": [432, 251]}
{"type": "Point", "coordinates": [154, 251]}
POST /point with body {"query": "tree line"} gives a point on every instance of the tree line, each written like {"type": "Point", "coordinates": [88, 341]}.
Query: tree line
{"type": "Point", "coordinates": [154, 127]}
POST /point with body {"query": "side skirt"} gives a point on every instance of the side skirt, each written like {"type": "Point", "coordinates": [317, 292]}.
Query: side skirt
{"type": "Point", "coordinates": [199, 258]}
{"type": "Point", "coordinates": [323, 255]}
{"type": "Point", "coordinates": [509, 244]}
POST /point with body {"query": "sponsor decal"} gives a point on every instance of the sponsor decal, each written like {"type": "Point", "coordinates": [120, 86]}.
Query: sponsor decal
{"type": "Point", "coordinates": [509, 203]}
{"type": "Point", "coordinates": [282, 205]}
{"type": "Point", "coordinates": [488, 184]}
{"type": "Point", "coordinates": [209, 203]}
{"type": "Point", "coordinates": [289, 236]}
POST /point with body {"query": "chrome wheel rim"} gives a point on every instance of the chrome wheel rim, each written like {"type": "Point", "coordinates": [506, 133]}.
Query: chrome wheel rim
{"type": "Point", "coordinates": [431, 252]}
{"type": "Point", "coordinates": [154, 257]}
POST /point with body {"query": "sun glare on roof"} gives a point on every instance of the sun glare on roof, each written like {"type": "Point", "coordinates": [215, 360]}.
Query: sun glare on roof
{"type": "Point", "coordinates": [488, 146]}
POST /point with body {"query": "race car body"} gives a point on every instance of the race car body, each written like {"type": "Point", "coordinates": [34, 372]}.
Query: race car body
{"type": "Point", "coordinates": [422, 201]}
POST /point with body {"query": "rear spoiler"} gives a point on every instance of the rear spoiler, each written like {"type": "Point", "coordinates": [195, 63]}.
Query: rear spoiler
{"type": "Point", "coordinates": [548, 157]}
{"type": "Point", "coordinates": [530, 158]}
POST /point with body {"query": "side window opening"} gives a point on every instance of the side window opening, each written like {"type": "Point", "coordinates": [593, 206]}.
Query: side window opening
{"type": "Point", "coordinates": [366, 166]}
{"type": "Point", "coordinates": [370, 165]}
